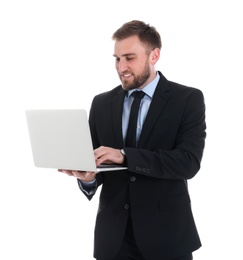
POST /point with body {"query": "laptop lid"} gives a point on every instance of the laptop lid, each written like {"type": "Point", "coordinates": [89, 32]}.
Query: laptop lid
{"type": "Point", "coordinates": [60, 139]}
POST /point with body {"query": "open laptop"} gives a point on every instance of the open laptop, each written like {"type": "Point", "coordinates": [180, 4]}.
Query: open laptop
{"type": "Point", "coordinates": [60, 139]}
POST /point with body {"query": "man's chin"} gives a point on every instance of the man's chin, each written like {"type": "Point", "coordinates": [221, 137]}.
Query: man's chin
{"type": "Point", "coordinates": [127, 87]}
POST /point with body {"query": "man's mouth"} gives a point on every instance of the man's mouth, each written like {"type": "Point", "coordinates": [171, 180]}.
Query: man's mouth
{"type": "Point", "coordinates": [126, 75]}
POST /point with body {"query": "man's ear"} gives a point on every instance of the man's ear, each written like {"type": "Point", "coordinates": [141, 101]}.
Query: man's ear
{"type": "Point", "coordinates": [154, 56]}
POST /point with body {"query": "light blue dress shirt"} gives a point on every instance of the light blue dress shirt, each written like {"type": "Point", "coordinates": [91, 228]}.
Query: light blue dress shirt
{"type": "Point", "coordinates": [143, 110]}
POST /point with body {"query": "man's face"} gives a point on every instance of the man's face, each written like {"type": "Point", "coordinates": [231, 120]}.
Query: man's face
{"type": "Point", "coordinates": [132, 63]}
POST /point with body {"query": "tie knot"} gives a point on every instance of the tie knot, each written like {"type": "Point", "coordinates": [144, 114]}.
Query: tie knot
{"type": "Point", "coordinates": [138, 94]}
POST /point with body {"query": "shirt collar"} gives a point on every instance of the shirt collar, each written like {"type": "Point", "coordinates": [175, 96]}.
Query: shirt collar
{"type": "Point", "coordinates": [149, 89]}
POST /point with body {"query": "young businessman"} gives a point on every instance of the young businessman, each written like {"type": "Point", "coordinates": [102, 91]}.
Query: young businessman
{"type": "Point", "coordinates": [145, 211]}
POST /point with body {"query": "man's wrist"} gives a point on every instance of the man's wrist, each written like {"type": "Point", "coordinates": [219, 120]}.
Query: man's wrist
{"type": "Point", "coordinates": [89, 188]}
{"type": "Point", "coordinates": [89, 183]}
{"type": "Point", "coordinates": [124, 156]}
{"type": "Point", "coordinates": [123, 152]}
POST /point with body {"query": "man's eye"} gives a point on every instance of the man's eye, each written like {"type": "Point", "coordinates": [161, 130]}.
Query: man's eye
{"type": "Point", "coordinates": [130, 58]}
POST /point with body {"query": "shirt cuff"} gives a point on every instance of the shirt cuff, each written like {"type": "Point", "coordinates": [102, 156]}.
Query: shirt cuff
{"type": "Point", "coordinates": [89, 183]}
{"type": "Point", "coordinates": [88, 188]}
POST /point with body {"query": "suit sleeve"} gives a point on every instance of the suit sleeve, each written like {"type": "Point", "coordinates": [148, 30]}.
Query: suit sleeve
{"type": "Point", "coordinates": [183, 160]}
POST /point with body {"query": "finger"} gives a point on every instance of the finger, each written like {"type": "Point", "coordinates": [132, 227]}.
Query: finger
{"type": "Point", "coordinates": [69, 173]}
{"type": "Point", "coordinates": [99, 152]}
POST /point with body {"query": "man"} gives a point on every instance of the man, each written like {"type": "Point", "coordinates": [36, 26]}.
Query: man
{"type": "Point", "coordinates": [144, 212]}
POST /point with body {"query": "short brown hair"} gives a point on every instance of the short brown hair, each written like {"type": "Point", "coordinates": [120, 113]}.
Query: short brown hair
{"type": "Point", "coordinates": [147, 34]}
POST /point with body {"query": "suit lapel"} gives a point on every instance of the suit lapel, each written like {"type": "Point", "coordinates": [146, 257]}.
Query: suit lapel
{"type": "Point", "coordinates": [159, 100]}
{"type": "Point", "coordinates": [117, 108]}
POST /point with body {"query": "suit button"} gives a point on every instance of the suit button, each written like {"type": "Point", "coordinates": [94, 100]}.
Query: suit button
{"type": "Point", "coordinates": [126, 206]}
{"type": "Point", "coordinates": [133, 178]}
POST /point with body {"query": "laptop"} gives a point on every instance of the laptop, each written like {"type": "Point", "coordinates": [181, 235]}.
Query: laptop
{"type": "Point", "coordinates": [61, 139]}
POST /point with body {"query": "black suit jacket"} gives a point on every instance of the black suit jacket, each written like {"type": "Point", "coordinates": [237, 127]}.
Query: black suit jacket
{"type": "Point", "coordinates": [154, 189]}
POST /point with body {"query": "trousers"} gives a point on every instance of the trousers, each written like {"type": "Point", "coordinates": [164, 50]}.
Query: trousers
{"type": "Point", "coordinates": [119, 257]}
{"type": "Point", "coordinates": [130, 251]}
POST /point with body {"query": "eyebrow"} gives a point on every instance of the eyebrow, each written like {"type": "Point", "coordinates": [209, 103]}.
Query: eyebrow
{"type": "Point", "coordinates": [125, 55]}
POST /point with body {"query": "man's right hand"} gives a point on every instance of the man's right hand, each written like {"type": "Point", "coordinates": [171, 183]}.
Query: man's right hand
{"type": "Point", "coordinates": [83, 176]}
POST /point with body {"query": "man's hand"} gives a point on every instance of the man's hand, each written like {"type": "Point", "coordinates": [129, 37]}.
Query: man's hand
{"type": "Point", "coordinates": [108, 155]}
{"type": "Point", "coordinates": [83, 176]}
{"type": "Point", "coordinates": [102, 154]}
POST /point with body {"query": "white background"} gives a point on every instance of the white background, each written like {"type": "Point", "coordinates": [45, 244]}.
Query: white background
{"type": "Point", "coordinates": [58, 54]}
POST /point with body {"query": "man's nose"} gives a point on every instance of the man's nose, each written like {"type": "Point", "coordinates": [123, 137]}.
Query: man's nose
{"type": "Point", "coordinates": [122, 66]}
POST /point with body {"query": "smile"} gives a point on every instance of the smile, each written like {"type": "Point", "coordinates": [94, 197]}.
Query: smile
{"type": "Point", "coordinates": [126, 75]}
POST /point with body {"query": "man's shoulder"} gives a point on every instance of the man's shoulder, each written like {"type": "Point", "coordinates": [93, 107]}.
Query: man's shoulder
{"type": "Point", "coordinates": [175, 87]}
{"type": "Point", "coordinates": [185, 93]}
{"type": "Point", "coordinates": [110, 93]}
{"type": "Point", "coordinates": [178, 87]}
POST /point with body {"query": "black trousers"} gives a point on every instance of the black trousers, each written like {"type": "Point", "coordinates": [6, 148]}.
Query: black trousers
{"type": "Point", "coordinates": [130, 251]}
{"type": "Point", "coordinates": [186, 257]}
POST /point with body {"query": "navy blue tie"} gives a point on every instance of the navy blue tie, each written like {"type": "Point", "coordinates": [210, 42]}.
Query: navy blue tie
{"type": "Point", "coordinates": [133, 118]}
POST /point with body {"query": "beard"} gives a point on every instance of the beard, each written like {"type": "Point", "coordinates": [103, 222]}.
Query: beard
{"type": "Point", "coordinates": [138, 80]}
